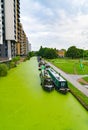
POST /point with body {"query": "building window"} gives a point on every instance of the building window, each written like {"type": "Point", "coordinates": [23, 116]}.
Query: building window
{"type": "Point", "coordinates": [2, 0]}
{"type": "Point", "coordinates": [2, 6]}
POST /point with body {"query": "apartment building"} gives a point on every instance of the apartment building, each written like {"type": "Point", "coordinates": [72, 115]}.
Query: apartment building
{"type": "Point", "coordinates": [28, 48]}
{"type": "Point", "coordinates": [3, 45]}
{"type": "Point", "coordinates": [22, 46]}
{"type": "Point", "coordinates": [9, 27]}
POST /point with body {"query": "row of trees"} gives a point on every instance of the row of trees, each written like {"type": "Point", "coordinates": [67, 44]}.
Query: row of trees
{"type": "Point", "coordinates": [49, 53]}
{"type": "Point", "coordinates": [72, 52]}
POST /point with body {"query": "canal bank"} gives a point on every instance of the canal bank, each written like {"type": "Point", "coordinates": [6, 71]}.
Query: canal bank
{"type": "Point", "coordinates": [79, 92]}
{"type": "Point", "coordinates": [25, 105]}
{"type": "Point", "coordinates": [71, 80]}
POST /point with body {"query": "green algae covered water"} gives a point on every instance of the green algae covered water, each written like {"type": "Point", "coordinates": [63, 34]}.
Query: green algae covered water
{"type": "Point", "coordinates": [24, 105]}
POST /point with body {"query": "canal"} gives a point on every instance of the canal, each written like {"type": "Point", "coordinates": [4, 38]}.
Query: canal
{"type": "Point", "coordinates": [24, 105]}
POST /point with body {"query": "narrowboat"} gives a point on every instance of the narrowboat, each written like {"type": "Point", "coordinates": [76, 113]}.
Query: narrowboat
{"type": "Point", "coordinates": [46, 81]}
{"type": "Point", "coordinates": [59, 82]}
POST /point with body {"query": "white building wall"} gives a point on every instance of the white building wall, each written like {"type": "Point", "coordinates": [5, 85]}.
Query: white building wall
{"type": "Point", "coordinates": [1, 35]}
{"type": "Point", "coordinates": [9, 19]}
{"type": "Point", "coordinates": [29, 47]}
{"type": "Point", "coordinates": [9, 49]}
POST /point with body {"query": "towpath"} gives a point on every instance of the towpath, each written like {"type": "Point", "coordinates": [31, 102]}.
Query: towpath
{"type": "Point", "coordinates": [72, 79]}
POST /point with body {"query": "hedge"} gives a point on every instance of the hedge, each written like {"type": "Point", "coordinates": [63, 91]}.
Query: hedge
{"type": "Point", "coordinates": [3, 69]}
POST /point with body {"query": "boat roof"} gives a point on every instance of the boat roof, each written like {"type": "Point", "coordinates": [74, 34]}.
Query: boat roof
{"type": "Point", "coordinates": [46, 73]}
{"type": "Point", "coordinates": [58, 77]}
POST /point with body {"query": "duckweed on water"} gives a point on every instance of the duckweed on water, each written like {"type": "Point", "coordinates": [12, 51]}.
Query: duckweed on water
{"type": "Point", "coordinates": [24, 105]}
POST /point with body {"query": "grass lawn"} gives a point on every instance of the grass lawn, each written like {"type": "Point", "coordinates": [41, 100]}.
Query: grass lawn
{"type": "Point", "coordinates": [85, 78]}
{"type": "Point", "coordinates": [70, 66]}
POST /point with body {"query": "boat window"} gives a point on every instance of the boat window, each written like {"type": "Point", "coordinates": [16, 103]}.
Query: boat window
{"type": "Point", "coordinates": [62, 84]}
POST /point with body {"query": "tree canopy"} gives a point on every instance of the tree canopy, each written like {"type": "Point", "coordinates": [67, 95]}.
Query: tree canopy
{"type": "Point", "coordinates": [74, 52]}
{"type": "Point", "coordinates": [49, 53]}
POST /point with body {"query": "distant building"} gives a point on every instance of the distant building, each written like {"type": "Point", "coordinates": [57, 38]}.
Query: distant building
{"type": "Point", "coordinates": [22, 46]}
{"type": "Point", "coordinates": [28, 46]}
{"type": "Point", "coordinates": [61, 53]}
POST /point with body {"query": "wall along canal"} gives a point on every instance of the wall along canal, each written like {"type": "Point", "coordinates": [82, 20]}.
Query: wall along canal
{"type": "Point", "coordinates": [24, 105]}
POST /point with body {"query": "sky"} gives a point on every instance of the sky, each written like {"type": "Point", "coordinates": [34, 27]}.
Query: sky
{"type": "Point", "coordinates": [55, 23]}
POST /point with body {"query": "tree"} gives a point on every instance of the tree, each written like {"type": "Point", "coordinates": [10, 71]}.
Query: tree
{"type": "Point", "coordinates": [73, 52]}
{"type": "Point", "coordinates": [49, 53]}
{"type": "Point", "coordinates": [31, 54]}
{"type": "Point", "coordinates": [86, 53]}
{"type": "Point", "coordinates": [40, 52]}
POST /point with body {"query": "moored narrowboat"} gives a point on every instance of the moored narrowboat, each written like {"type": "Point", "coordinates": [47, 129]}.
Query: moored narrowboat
{"type": "Point", "coordinates": [46, 81]}
{"type": "Point", "coordinates": [59, 82]}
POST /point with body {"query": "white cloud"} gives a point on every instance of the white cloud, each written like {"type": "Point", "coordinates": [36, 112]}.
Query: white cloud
{"type": "Point", "coordinates": [77, 2]}
{"type": "Point", "coordinates": [63, 31]}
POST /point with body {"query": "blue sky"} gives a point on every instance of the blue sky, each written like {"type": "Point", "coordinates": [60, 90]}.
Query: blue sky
{"type": "Point", "coordinates": [55, 23]}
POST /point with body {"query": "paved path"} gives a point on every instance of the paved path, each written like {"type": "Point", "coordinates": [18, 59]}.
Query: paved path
{"type": "Point", "coordinates": [76, 77]}
{"type": "Point", "coordinates": [71, 79]}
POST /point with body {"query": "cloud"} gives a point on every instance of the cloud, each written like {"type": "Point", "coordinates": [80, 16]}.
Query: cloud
{"type": "Point", "coordinates": [78, 3]}
{"type": "Point", "coordinates": [50, 26]}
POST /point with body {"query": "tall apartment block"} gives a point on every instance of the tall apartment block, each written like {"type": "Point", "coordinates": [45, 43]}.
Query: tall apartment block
{"type": "Point", "coordinates": [22, 46]}
{"type": "Point", "coordinates": [9, 27]}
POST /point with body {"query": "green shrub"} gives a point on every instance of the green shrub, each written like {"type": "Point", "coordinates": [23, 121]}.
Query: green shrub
{"type": "Point", "coordinates": [3, 69]}
{"type": "Point", "coordinates": [12, 64]}
{"type": "Point", "coordinates": [25, 59]}
{"type": "Point", "coordinates": [16, 59]}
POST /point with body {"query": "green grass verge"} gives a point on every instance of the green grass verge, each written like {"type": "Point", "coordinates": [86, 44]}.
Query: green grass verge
{"type": "Point", "coordinates": [67, 65]}
{"type": "Point", "coordinates": [85, 78]}
{"type": "Point", "coordinates": [70, 66]}
{"type": "Point", "coordinates": [84, 81]}
{"type": "Point", "coordinates": [79, 95]}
